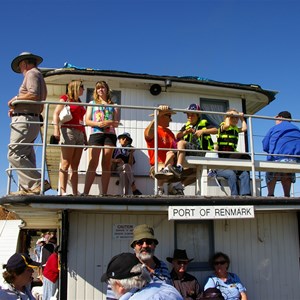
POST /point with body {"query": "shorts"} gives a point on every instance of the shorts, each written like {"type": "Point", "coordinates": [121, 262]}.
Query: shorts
{"type": "Point", "coordinates": [192, 146]}
{"type": "Point", "coordinates": [101, 139]}
{"type": "Point", "coordinates": [271, 175]}
{"type": "Point", "coordinates": [71, 136]}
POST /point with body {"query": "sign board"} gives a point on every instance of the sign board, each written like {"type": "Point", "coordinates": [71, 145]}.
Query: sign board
{"type": "Point", "coordinates": [211, 212]}
{"type": "Point", "coordinates": [123, 231]}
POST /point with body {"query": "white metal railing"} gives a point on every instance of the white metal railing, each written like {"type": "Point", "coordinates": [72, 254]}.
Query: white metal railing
{"type": "Point", "coordinates": [44, 145]}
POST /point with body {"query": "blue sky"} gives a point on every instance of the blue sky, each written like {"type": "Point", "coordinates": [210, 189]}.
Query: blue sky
{"type": "Point", "coordinates": [243, 41]}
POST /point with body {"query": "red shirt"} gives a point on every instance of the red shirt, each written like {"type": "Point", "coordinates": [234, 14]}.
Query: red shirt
{"type": "Point", "coordinates": [77, 112]}
{"type": "Point", "coordinates": [51, 270]}
{"type": "Point", "coordinates": [166, 139]}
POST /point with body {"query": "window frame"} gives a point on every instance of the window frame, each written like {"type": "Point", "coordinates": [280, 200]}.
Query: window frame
{"type": "Point", "coordinates": [197, 265]}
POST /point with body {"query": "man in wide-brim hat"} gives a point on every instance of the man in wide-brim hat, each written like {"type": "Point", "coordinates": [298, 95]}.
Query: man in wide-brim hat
{"type": "Point", "coordinates": [185, 283]}
{"type": "Point", "coordinates": [25, 117]}
{"type": "Point", "coordinates": [167, 140]}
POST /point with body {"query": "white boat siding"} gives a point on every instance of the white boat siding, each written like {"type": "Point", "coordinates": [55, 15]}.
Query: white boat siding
{"type": "Point", "coordinates": [9, 234]}
{"type": "Point", "coordinates": [264, 251]}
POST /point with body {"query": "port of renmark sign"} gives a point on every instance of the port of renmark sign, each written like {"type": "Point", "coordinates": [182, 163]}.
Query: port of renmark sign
{"type": "Point", "coordinates": [211, 212]}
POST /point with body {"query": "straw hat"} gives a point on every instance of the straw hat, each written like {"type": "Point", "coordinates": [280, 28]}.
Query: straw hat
{"type": "Point", "coordinates": [164, 110]}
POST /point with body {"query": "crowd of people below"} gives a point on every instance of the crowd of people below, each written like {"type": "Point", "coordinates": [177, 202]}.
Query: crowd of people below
{"type": "Point", "coordinates": [135, 275]}
{"type": "Point", "coordinates": [103, 117]}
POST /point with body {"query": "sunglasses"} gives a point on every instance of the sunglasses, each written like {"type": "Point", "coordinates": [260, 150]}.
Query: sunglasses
{"type": "Point", "coordinates": [82, 86]}
{"type": "Point", "coordinates": [181, 262]}
{"type": "Point", "coordinates": [147, 241]}
{"type": "Point", "coordinates": [221, 262]}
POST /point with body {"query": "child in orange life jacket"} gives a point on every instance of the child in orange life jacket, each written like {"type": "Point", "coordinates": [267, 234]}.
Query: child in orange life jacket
{"type": "Point", "coordinates": [194, 135]}
{"type": "Point", "coordinates": [228, 136]}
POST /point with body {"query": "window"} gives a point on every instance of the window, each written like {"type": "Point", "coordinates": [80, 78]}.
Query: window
{"type": "Point", "coordinates": [214, 105]}
{"type": "Point", "coordinates": [196, 237]}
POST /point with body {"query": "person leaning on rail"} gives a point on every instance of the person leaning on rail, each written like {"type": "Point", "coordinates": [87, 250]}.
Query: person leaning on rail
{"type": "Point", "coordinates": [166, 158]}
{"type": "Point", "coordinates": [23, 131]}
{"type": "Point", "coordinates": [283, 138]}
{"type": "Point", "coordinates": [70, 133]}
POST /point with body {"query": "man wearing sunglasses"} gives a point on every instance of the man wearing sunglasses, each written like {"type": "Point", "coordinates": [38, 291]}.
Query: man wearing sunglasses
{"type": "Point", "coordinates": [186, 284]}
{"type": "Point", "coordinates": [144, 244]}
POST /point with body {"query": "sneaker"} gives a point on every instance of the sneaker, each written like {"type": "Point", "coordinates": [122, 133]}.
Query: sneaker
{"type": "Point", "coordinates": [137, 192]}
{"type": "Point", "coordinates": [179, 192]}
{"type": "Point", "coordinates": [160, 191]}
{"type": "Point", "coordinates": [171, 190]}
{"type": "Point", "coordinates": [37, 190]}
{"type": "Point", "coordinates": [21, 193]}
{"type": "Point", "coordinates": [176, 170]}
{"type": "Point", "coordinates": [163, 174]}
{"type": "Point", "coordinates": [212, 173]}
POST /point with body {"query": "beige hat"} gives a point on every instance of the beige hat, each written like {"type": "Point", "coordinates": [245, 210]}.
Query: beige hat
{"type": "Point", "coordinates": [23, 56]}
{"type": "Point", "coordinates": [143, 232]}
{"type": "Point", "coordinates": [164, 111]}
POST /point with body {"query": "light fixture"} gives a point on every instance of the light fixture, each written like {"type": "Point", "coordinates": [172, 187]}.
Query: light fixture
{"type": "Point", "coordinates": [168, 83]}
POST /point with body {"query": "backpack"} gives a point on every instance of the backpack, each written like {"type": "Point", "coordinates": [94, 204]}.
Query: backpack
{"type": "Point", "coordinates": [212, 294]}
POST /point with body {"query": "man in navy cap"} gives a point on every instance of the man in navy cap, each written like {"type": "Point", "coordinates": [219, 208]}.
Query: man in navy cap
{"type": "Point", "coordinates": [24, 123]}
{"type": "Point", "coordinates": [122, 162]}
{"type": "Point", "coordinates": [282, 139]}
{"type": "Point", "coordinates": [129, 279]}
{"type": "Point", "coordinates": [17, 277]}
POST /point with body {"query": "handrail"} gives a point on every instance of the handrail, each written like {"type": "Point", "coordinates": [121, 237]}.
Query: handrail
{"type": "Point", "coordinates": [46, 124]}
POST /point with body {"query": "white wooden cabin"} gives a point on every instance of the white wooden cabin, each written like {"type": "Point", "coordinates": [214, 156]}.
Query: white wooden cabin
{"type": "Point", "coordinates": [263, 247]}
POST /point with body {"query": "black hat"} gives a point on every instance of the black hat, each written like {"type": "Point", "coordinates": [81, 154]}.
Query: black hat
{"type": "Point", "coordinates": [23, 56]}
{"type": "Point", "coordinates": [284, 114]}
{"type": "Point", "coordinates": [20, 260]}
{"type": "Point", "coordinates": [143, 232]}
{"type": "Point", "coordinates": [120, 266]}
{"type": "Point", "coordinates": [179, 255]}
{"type": "Point", "coordinates": [126, 135]}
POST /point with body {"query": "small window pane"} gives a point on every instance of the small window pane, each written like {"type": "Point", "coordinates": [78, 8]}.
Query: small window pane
{"type": "Point", "coordinates": [214, 105]}
{"type": "Point", "coordinates": [197, 239]}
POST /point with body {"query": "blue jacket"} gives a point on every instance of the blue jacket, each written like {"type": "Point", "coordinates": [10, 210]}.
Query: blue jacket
{"type": "Point", "coordinates": [283, 138]}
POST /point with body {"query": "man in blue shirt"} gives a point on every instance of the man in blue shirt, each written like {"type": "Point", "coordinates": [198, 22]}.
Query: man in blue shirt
{"type": "Point", "coordinates": [282, 139]}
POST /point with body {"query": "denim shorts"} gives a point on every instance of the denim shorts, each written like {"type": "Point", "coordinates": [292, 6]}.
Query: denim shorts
{"type": "Point", "coordinates": [271, 175]}
{"type": "Point", "coordinates": [193, 146]}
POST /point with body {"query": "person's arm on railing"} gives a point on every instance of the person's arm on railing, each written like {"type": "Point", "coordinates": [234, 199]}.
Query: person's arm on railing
{"type": "Point", "coordinates": [244, 124]}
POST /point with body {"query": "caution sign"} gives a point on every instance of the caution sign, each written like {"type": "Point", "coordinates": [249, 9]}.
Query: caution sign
{"type": "Point", "coordinates": [210, 212]}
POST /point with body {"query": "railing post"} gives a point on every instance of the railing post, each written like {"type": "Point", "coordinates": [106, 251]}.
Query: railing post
{"type": "Point", "coordinates": [43, 165]}
{"type": "Point", "coordinates": [252, 157]}
{"type": "Point", "coordinates": [155, 151]}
